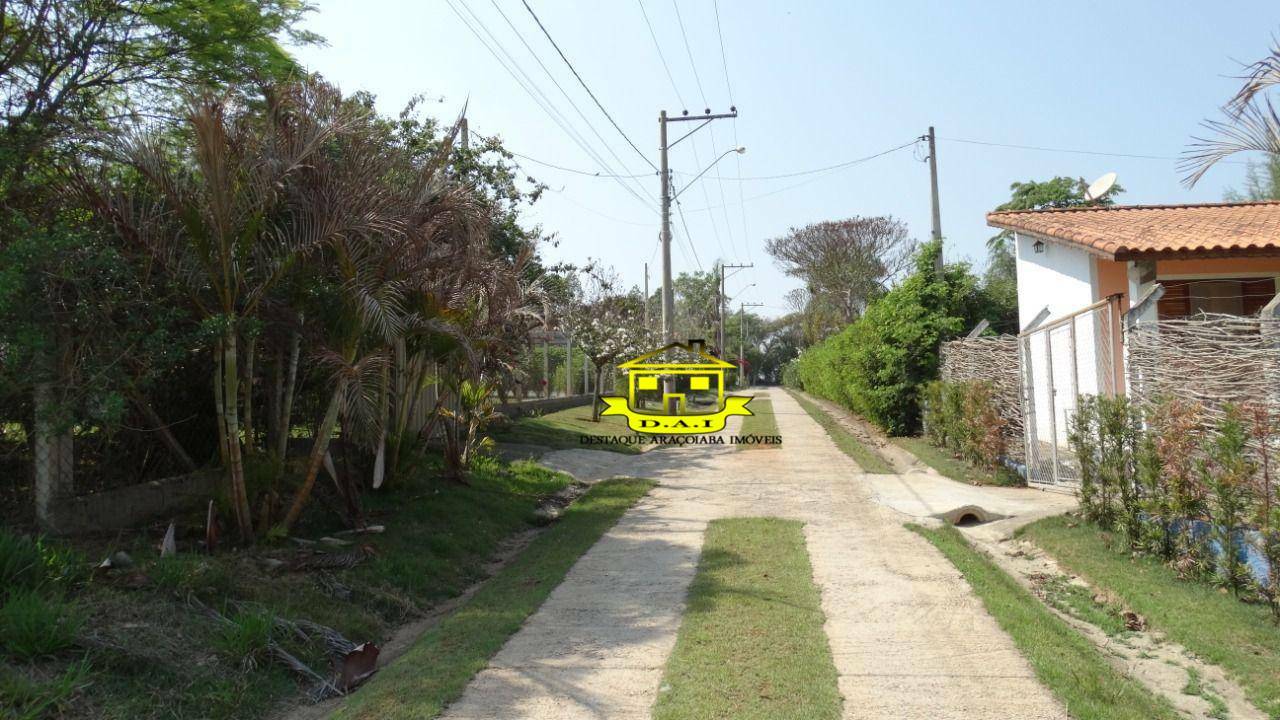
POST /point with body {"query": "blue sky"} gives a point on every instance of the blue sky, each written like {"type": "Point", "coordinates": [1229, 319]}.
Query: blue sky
{"type": "Point", "coordinates": [816, 83]}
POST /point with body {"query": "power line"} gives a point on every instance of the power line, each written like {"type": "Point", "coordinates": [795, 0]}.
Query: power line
{"type": "Point", "coordinates": [586, 173]}
{"type": "Point", "coordinates": [591, 126]}
{"type": "Point", "coordinates": [813, 180]}
{"type": "Point", "coordinates": [688, 49]}
{"type": "Point", "coordinates": [1068, 150]}
{"type": "Point", "coordinates": [728, 86]}
{"type": "Point", "coordinates": [584, 85]}
{"type": "Point", "coordinates": [533, 91]}
{"type": "Point", "coordinates": [724, 61]}
{"type": "Point", "coordinates": [687, 237]}
{"type": "Point", "coordinates": [661, 57]}
{"type": "Point", "coordinates": [694, 145]}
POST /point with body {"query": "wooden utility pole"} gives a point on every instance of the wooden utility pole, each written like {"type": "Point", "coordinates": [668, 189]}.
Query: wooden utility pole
{"type": "Point", "coordinates": [933, 188]}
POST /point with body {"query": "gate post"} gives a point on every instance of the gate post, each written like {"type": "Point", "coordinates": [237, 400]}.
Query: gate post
{"type": "Point", "coordinates": [54, 458]}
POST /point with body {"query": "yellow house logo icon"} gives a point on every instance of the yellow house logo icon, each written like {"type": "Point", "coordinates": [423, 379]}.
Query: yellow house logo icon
{"type": "Point", "coordinates": [673, 398]}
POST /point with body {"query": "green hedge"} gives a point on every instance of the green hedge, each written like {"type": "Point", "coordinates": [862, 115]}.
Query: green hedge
{"type": "Point", "coordinates": [878, 365]}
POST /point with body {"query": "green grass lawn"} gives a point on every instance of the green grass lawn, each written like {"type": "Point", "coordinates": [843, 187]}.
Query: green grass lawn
{"type": "Point", "coordinates": [1063, 659]}
{"type": "Point", "coordinates": [156, 656]}
{"type": "Point", "coordinates": [564, 429]}
{"type": "Point", "coordinates": [865, 457]}
{"type": "Point", "coordinates": [760, 422]}
{"type": "Point", "coordinates": [953, 467]}
{"type": "Point", "coordinates": [441, 663]}
{"type": "Point", "coordinates": [751, 646]}
{"type": "Point", "coordinates": [1240, 638]}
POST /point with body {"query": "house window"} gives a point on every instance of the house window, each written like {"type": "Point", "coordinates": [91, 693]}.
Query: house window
{"type": "Point", "coordinates": [699, 383]}
{"type": "Point", "coordinates": [647, 382]}
{"type": "Point", "coordinates": [1228, 296]}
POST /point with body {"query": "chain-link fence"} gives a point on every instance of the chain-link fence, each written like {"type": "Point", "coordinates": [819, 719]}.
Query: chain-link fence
{"type": "Point", "coordinates": [1062, 360]}
{"type": "Point", "coordinates": [993, 360]}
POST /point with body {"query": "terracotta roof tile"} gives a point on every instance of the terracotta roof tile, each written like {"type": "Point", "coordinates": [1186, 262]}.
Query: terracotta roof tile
{"type": "Point", "coordinates": [1138, 231]}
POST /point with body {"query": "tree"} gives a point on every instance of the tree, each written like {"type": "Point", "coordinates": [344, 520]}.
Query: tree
{"type": "Point", "coordinates": [214, 227]}
{"type": "Point", "coordinates": [1250, 122]}
{"type": "Point", "coordinates": [607, 324]}
{"type": "Point", "coordinates": [65, 63]}
{"type": "Point", "coordinates": [845, 263]}
{"type": "Point", "coordinates": [877, 365]}
{"type": "Point", "coordinates": [1001, 276]}
{"type": "Point", "coordinates": [1261, 182]}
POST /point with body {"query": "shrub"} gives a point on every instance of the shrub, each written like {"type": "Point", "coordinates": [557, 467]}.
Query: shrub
{"type": "Point", "coordinates": [33, 626]}
{"type": "Point", "coordinates": [1228, 473]}
{"type": "Point", "coordinates": [878, 365]}
{"type": "Point", "coordinates": [963, 418]}
{"type": "Point", "coordinates": [1265, 427]}
{"type": "Point", "coordinates": [1102, 435]}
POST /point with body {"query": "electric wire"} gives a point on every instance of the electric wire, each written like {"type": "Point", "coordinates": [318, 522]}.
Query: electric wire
{"type": "Point", "coordinates": [534, 92]}
{"type": "Point", "coordinates": [715, 229]}
{"type": "Point", "coordinates": [658, 47]}
{"type": "Point", "coordinates": [1099, 153]}
{"type": "Point", "coordinates": [583, 83]}
{"type": "Point", "coordinates": [728, 86]}
{"type": "Point", "coordinates": [813, 180]}
{"type": "Point", "coordinates": [572, 104]}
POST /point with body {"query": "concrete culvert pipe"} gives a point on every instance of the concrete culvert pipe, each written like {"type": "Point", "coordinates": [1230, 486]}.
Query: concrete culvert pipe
{"type": "Point", "coordinates": [968, 515]}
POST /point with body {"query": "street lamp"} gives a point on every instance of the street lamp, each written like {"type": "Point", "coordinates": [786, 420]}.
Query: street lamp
{"type": "Point", "coordinates": [723, 155]}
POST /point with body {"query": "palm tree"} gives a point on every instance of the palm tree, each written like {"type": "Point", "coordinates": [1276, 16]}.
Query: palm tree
{"type": "Point", "coordinates": [210, 215]}
{"type": "Point", "coordinates": [1251, 122]}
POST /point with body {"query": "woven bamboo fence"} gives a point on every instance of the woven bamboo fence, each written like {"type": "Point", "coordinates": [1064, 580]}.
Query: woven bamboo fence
{"type": "Point", "coordinates": [992, 359]}
{"type": "Point", "coordinates": [1213, 360]}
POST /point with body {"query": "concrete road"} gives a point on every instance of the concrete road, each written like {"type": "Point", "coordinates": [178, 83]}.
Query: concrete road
{"type": "Point", "coordinates": [909, 638]}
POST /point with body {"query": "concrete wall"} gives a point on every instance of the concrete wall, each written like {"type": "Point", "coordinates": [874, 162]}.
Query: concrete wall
{"type": "Point", "coordinates": [539, 407]}
{"type": "Point", "coordinates": [127, 506]}
{"type": "Point", "coordinates": [1060, 278]}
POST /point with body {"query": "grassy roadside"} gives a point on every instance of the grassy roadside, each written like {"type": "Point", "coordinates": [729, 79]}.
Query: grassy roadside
{"type": "Point", "coordinates": [1064, 660]}
{"type": "Point", "coordinates": [564, 429]}
{"type": "Point", "coordinates": [865, 457]}
{"type": "Point", "coordinates": [441, 663]}
{"type": "Point", "coordinates": [951, 467]}
{"type": "Point", "coordinates": [751, 646]}
{"type": "Point", "coordinates": [142, 651]}
{"type": "Point", "coordinates": [760, 422]}
{"type": "Point", "coordinates": [1240, 638]}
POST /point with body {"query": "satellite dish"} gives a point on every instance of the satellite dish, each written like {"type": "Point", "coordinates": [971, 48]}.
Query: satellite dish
{"type": "Point", "coordinates": [1100, 187]}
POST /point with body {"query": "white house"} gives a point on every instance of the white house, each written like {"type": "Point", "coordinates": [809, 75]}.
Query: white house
{"type": "Point", "coordinates": [1222, 258]}
{"type": "Point", "coordinates": [1085, 272]}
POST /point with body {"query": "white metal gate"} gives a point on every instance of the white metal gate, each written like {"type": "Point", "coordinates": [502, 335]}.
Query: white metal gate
{"type": "Point", "coordinates": [1062, 360]}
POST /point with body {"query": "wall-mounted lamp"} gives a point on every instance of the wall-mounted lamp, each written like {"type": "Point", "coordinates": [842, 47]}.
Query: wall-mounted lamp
{"type": "Point", "coordinates": [1038, 247]}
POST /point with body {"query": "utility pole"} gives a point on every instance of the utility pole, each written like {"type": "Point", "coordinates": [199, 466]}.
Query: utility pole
{"type": "Point", "coordinates": [647, 326]}
{"type": "Point", "coordinates": [466, 134]}
{"type": "Point", "coordinates": [664, 169]}
{"type": "Point", "coordinates": [742, 326]}
{"type": "Point", "coordinates": [933, 187]}
{"type": "Point", "coordinates": [723, 301]}
{"type": "Point", "coordinates": [568, 364]}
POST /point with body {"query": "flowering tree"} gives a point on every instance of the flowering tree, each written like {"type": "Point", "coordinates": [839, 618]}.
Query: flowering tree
{"type": "Point", "coordinates": [607, 324]}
